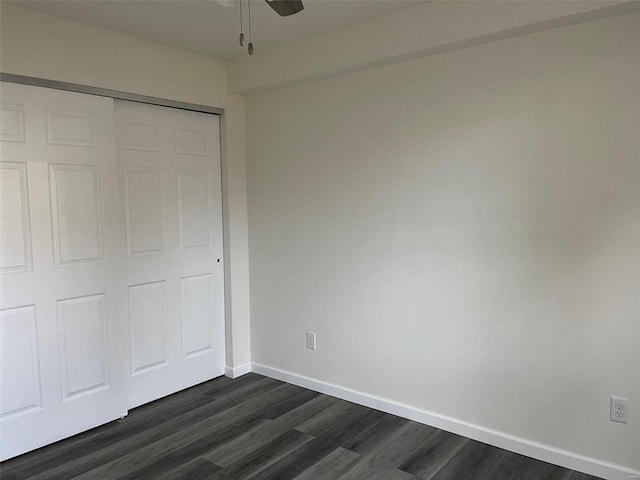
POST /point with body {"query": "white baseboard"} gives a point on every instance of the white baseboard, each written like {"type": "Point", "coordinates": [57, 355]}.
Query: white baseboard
{"type": "Point", "coordinates": [235, 372]}
{"type": "Point", "coordinates": [540, 451]}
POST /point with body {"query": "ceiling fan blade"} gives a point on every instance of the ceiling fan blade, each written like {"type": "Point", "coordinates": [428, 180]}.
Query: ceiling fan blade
{"type": "Point", "coordinates": [284, 8]}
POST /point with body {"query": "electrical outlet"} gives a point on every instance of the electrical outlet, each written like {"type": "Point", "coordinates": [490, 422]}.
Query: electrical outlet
{"type": "Point", "coordinates": [619, 409]}
{"type": "Point", "coordinates": [311, 340]}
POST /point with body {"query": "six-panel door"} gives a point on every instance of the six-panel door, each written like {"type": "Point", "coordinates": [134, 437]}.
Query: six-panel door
{"type": "Point", "coordinates": [170, 168]}
{"type": "Point", "coordinates": [61, 321]}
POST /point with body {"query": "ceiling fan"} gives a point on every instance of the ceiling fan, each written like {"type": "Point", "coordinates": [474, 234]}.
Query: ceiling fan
{"type": "Point", "coordinates": [284, 8]}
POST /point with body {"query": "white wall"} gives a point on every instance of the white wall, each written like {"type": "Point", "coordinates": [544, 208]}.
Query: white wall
{"type": "Point", "coordinates": [462, 232]}
{"type": "Point", "coordinates": [42, 46]}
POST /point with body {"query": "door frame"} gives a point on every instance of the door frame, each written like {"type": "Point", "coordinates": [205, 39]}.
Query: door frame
{"type": "Point", "coordinates": [165, 102]}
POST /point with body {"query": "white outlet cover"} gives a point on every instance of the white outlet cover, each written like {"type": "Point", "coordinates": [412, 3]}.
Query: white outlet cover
{"type": "Point", "coordinates": [619, 410]}
{"type": "Point", "coordinates": [311, 340]}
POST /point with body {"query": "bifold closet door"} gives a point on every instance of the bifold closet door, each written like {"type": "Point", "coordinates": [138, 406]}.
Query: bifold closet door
{"type": "Point", "coordinates": [63, 344]}
{"type": "Point", "coordinates": [171, 181]}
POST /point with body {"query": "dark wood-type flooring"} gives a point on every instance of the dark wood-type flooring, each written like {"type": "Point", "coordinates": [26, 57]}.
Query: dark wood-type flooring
{"type": "Point", "coordinates": [258, 428]}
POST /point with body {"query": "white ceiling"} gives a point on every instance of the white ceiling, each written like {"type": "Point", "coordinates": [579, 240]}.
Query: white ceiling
{"type": "Point", "coordinates": [207, 28]}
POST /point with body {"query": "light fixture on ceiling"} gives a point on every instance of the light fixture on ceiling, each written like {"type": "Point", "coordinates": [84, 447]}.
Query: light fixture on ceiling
{"type": "Point", "coordinates": [284, 8]}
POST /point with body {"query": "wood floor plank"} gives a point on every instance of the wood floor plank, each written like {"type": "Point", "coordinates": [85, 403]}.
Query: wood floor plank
{"type": "Point", "coordinates": [256, 428]}
{"type": "Point", "coordinates": [268, 431]}
{"type": "Point", "coordinates": [297, 398]}
{"type": "Point", "coordinates": [264, 456]}
{"type": "Point", "coordinates": [474, 461]}
{"type": "Point", "coordinates": [390, 474]}
{"type": "Point", "coordinates": [323, 444]}
{"type": "Point", "coordinates": [198, 469]}
{"type": "Point", "coordinates": [514, 467]}
{"type": "Point", "coordinates": [336, 411]}
{"type": "Point", "coordinates": [331, 466]}
{"type": "Point", "coordinates": [433, 454]}
{"type": "Point", "coordinates": [553, 472]}
{"type": "Point", "coordinates": [371, 437]}
{"type": "Point", "coordinates": [391, 453]}
{"type": "Point", "coordinates": [8, 476]}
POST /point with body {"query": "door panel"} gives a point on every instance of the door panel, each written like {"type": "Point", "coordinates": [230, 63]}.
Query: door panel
{"type": "Point", "coordinates": [148, 326]}
{"type": "Point", "coordinates": [62, 332]}
{"type": "Point", "coordinates": [15, 242]}
{"type": "Point", "coordinates": [144, 212]}
{"type": "Point", "coordinates": [76, 213]}
{"type": "Point", "coordinates": [194, 209]}
{"type": "Point", "coordinates": [12, 122]}
{"type": "Point", "coordinates": [82, 338]}
{"type": "Point", "coordinates": [21, 384]}
{"type": "Point", "coordinates": [196, 314]}
{"type": "Point", "coordinates": [71, 128]}
{"type": "Point", "coordinates": [170, 170]}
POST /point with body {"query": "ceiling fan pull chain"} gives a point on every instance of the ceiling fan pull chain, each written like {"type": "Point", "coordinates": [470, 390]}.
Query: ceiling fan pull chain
{"type": "Point", "coordinates": [241, 34]}
{"type": "Point", "coordinates": [250, 48]}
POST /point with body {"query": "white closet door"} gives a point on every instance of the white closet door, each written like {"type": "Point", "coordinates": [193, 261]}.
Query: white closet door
{"type": "Point", "coordinates": [63, 351]}
{"type": "Point", "coordinates": [170, 176]}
